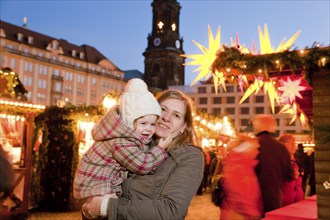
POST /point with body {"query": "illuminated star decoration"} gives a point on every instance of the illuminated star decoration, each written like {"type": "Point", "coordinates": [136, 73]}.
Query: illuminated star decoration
{"type": "Point", "coordinates": [291, 90]}
{"type": "Point", "coordinates": [219, 79]}
{"type": "Point", "coordinates": [265, 44]}
{"type": "Point", "coordinates": [207, 57]}
{"type": "Point", "coordinates": [295, 112]}
{"type": "Point", "coordinates": [267, 48]}
{"type": "Point", "coordinates": [242, 80]}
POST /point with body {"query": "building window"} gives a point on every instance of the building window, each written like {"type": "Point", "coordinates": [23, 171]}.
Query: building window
{"type": "Point", "coordinates": [203, 110]}
{"type": "Point", "coordinates": [20, 37]}
{"type": "Point", "coordinates": [213, 89]}
{"type": "Point", "coordinates": [93, 94]}
{"type": "Point", "coordinates": [259, 110]}
{"type": "Point", "coordinates": [245, 110]}
{"type": "Point", "coordinates": [68, 89]}
{"type": "Point", "coordinates": [80, 92]}
{"type": "Point", "coordinates": [230, 88]}
{"type": "Point", "coordinates": [27, 81]}
{"type": "Point", "coordinates": [42, 84]}
{"type": "Point", "coordinates": [30, 40]}
{"type": "Point", "coordinates": [43, 70]}
{"type": "Point", "coordinates": [93, 81]}
{"type": "Point", "coordinates": [277, 108]}
{"type": "Point", "coordinates": [202, 101]}
{"type": "Point", "coordinates": [28, 66]}
{"type": "Point", "coordinates": [230, 100]}
{"type": "Point", "coordinates": [12, 63]}
{"type": "Point", "coordinates": [260, 99]}
{"type": "Point", "coordinates": [245, 122]}
{"type": "Point", "coordinates": [217, 100]}
{"type": "Point", "coordinates": [58, 87]}
{"type": "Point", "coordinates": [41, 97]}
{"type": "Point", "coordinates": [247, 100]}
{"type": "Point", "coordinates": [28, 95]}
{"type": "Point", "coordinates": [80, 79]}
{"type": "Point", "coordinates": [68, 76]}
{"type": "Point", "coordinates": [277, 121]}
{"type": "Point", "coordinates": [217, 111]}
{"type": "Point", "coordinates": [56, 72]}
{"type": "Point", "coordinates": [201, 89]}
{"type": "Point", "coordinates": [230, 111]}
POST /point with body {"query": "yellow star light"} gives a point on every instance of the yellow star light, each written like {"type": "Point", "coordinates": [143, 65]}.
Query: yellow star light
{"type": "Point", "coordinates": [207, 57]}
{"type": "Point", "coordinates": [255, 87]}
{"type": "Point", "coordinates": [272, 94]}
{"type": "Point", "coordinates": [267, 48]}
{"type": "Point", "coordinates": [219, 78]}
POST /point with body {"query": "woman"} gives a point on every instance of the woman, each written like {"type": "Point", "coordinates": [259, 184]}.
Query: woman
{"type": "Point", "coordinates": [293, 191]}
{"type": "Point", "coordinates": [167, 192]}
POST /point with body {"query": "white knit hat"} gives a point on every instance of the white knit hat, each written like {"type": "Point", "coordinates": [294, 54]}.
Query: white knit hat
{"type": "Point", "coordinates": [137, 101]}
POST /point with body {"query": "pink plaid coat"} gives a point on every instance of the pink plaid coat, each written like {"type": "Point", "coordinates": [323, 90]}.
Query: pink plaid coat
{"type": "Point", "coordinates": [117, 149]}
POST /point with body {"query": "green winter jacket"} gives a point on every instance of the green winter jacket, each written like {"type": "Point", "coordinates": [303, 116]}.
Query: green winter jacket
{"type": "Point", "coordinates": [164, 194]}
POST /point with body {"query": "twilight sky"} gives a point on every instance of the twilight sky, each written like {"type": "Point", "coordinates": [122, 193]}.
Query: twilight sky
{"type": "Point", "coordinates": [119, 28]}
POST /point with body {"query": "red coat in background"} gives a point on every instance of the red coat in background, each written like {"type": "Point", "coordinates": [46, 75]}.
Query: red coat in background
{"type": "Point", "coordinates": [242, 191]}
{"type": "Point", "coordinates": [293, 191]}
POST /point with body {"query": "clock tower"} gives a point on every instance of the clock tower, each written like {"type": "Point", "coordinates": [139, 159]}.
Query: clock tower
{"type": "Point", "coordinates": [163, 65]}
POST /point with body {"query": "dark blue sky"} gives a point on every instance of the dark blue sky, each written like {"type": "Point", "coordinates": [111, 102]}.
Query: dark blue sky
{"type": "Point", "coordinates": [119, 29]}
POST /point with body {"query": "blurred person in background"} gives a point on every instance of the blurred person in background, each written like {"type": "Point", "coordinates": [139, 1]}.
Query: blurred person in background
{"type": "Point", "coordinates": [293, 191]}
{"type": "Point", "coordinates": [274, 167]}
{"type": "Point", "coordinates": [242, 195]}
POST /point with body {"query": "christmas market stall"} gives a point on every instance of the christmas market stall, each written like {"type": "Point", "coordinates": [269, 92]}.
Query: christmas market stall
{"type": "Point", "coordinates": [16, 132]}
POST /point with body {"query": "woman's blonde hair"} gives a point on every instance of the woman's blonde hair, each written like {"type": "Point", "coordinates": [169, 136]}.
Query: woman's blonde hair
{"type": "Point", "coordinates": [189, 135]}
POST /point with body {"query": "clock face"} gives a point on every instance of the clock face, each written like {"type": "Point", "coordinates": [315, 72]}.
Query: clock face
{"type": "Point", "coordinates": [157, 41]}
{"type": "Point", "coordinates": [177, 44]}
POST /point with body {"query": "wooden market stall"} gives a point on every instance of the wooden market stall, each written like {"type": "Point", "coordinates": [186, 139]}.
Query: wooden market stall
{"type": "Point", "coordinates": [16, 133]}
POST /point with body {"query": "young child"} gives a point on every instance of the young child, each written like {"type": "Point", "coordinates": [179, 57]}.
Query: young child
{"type": "Point", "coordinates": [121, 144]}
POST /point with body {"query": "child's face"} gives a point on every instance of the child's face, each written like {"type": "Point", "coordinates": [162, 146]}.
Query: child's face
{"type": "Point", "coordinates": [146, 125]}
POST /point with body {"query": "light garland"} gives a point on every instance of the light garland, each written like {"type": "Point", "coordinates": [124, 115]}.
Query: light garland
{"type": "Point", "coordinates": [21, 104]}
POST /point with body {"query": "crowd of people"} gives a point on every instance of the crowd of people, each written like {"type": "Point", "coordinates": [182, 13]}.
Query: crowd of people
{"type": "Point", "coordinates": [263, 173]}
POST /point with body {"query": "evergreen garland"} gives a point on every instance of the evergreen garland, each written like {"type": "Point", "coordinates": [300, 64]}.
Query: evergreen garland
{"type": "Point", "coordinates": [310, 61]}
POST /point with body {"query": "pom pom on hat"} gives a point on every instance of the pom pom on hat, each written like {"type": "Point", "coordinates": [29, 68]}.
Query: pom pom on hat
{"type": "Point", "coordinates": [137, 101]}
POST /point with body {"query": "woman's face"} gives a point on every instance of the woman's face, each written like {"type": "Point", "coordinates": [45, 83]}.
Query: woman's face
{"type": "Point", "coordinates": [171, 120]}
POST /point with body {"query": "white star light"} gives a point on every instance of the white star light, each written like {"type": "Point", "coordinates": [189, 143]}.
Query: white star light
{"type": "Point", "coordinates": [291, 89]}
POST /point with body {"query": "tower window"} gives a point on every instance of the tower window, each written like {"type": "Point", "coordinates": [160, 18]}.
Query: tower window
{"type": "Point", "coordinates": [160, 25]}
{"type": "Point", "coordinates": [173, 27]}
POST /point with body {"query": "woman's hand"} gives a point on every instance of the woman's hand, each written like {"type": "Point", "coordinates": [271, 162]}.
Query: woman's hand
{"type": "Point", "coordinates": [91, 209]}
{"type": "Point", "coordinates": [164, 142]}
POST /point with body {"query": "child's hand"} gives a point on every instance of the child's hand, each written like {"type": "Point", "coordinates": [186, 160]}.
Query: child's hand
{"type": "Point", "coordinates": [164, 142]}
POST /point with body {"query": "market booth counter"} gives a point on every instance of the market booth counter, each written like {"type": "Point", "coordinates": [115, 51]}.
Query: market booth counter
{"type": "Point", "coordinates": [302, 210]}
{"type": "Point", "coordinates": [16, 133]}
